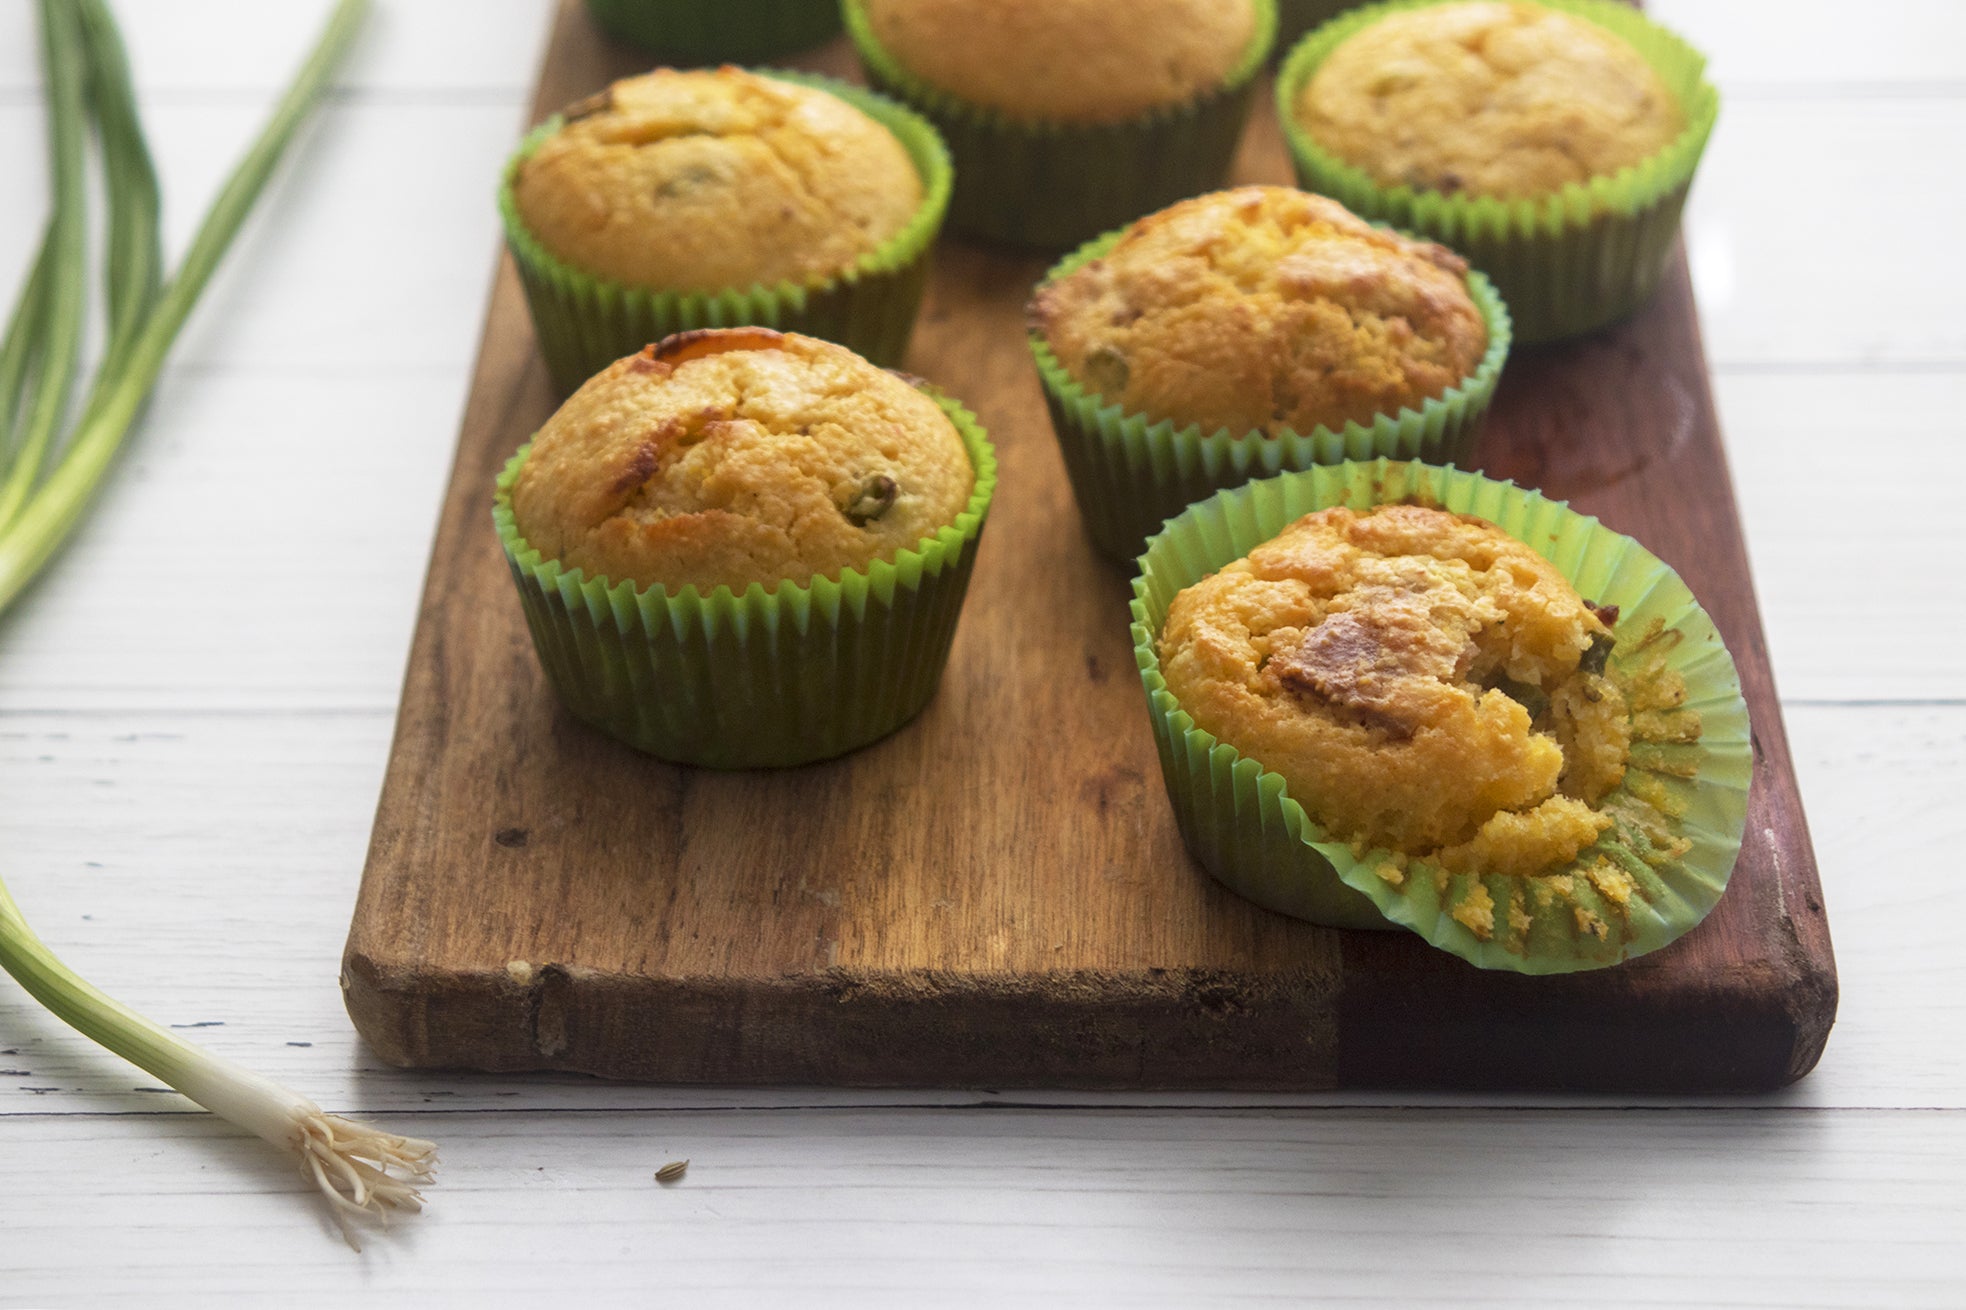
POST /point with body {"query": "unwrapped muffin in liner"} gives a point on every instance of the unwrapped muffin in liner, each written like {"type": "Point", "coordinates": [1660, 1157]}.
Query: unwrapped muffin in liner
{"type": "Point", "coordinates": [803, 672]}
{"type": "Point", "coordinates": [1130, 472]}
{"type": "Point", "coordinates": [1050, 185]}
{"type": "Point", "coordinates": [1240, 822]}
{"type": "Point", "coordinates": [1567, 263]}
{"type": "Point", "coordinates": [717, 31]}
{"type": "Point", "coordinates": [585, 322]}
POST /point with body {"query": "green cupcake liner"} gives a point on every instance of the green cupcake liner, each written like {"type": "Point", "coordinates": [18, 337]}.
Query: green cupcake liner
{"type": "Point", "coordinates": [1130, 473]}
{"type": "Point", "coordinates": [1244, 827]}
{"type": "Point", "coordinates": [1051, 185]}
{"type": "Point", "coordinates": [763, 678]}
{"type": "Point", "coordinates": [585, 322]}
{"type": "Point", "coordinates": [1567, 263]}
{"type": "Point", "coordinates": [715, 31]}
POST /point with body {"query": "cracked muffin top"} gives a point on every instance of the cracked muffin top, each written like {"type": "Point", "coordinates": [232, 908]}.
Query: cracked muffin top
{"type": "Point", "coordinates": [1067, 61]}
{"type": "Point", "coordinates": [739, 455]}
{"type": "Point", "coordinates": [1489, 99]}
{"type": "Point", "coordinates": [717, 178]}
{"type": "Point", "coordinates": [1420, 679]}
{"type": "Point", "coordinates": [1264, 309]}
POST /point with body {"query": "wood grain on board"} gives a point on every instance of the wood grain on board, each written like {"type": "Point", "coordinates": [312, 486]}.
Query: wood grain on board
{"type": "Point", "coordinates": [996, 895]}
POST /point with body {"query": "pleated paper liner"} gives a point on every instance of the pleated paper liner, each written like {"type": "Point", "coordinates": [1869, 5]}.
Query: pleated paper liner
{"type": "Point", "coordinates": [1567, 263]}
{"type": "Point", "coordinates": [717, 31]}
{"type": "Point", "coordinates": [1130, 473]}
{"type": "Point", "coordinates": [1627, 895]}
{"type": "Point", "coordinates": [585, 322]}
{"type": "Point", "coordinates": [762, 678]}
{"type": "Point", "coordinates": [1051, 185]}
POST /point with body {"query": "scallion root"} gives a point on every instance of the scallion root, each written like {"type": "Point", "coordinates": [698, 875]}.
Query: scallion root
{"type": "Point", "coordinates": [364, 1172]}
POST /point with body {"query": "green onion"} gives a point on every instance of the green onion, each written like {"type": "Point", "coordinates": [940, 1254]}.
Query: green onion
{"type": "Point", "coordinates": [135, 256]}
{"type": "Point", "coordinates": [56, 314]}
{"type": "Point", "coordinates": [362, 1171]}
{"type": "Point", "coordinates": [19, 349]}
{"type": "Point", "coordinates": [32, 536]}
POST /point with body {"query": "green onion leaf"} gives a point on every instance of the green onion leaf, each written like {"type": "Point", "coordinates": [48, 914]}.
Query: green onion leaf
{"type": "Point", "coordinates": [59, 325]}
{"type": "Point", "coordinates": [22, 344]}
{"type": "Point", "coordinates": [134, 257]}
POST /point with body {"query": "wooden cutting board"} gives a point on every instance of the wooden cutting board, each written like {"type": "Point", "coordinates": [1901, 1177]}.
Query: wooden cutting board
{"type": "Point", "coordinates": [997, 895]}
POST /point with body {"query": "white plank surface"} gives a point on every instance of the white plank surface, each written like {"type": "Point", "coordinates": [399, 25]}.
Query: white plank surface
{"type": "Point", "coordinates": [1805, 230]}
{"type": "Point", "coordinates": [1821, 49]}
{"type": "Point", "coordinates": [189, 783]}
{"type": "Point", "coordinates": [910, 1207]}
{"type": "Point", "coordinates": [1823, 460]}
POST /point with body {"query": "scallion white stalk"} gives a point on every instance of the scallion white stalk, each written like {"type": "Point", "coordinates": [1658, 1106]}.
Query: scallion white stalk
{"type": "Point", "coordinates": [362, 1171]}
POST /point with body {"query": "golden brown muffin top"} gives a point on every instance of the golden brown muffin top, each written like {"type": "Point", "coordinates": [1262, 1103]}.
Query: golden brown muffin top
{"type": "Point", "coordinates": [1069, 61]}
{"type": "Point", "coordinates": [715, 179]}
{"type": "Point", "coordinates": [1264, 308]}
{"type": "Point", "coordinates": [739, 455]}
{"type": "Point", "coordinates": [1488, 99]}
{"type": "Point", "coordinates": [1412, 675]}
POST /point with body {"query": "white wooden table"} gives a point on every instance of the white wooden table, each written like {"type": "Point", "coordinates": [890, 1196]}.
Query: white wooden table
{"type": "Point", "coordinates": [196, 703]}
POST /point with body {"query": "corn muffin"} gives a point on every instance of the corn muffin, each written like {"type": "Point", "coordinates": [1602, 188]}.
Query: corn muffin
{"type": "Point", "coordinates": [1420, 679]}
{"type": "Point", "coordinates": [1403, 717]}
{"type": "Point", "coordinates": [1067, 61]}
{"type": "Point", "coordinates": [728, 457]}
{"type": "Point", "coordinates": [1511, 100]}
{"type": "Point", "coordinates": [707, 180]}
{"type": "Point", "coordinates": [1264, 309]}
